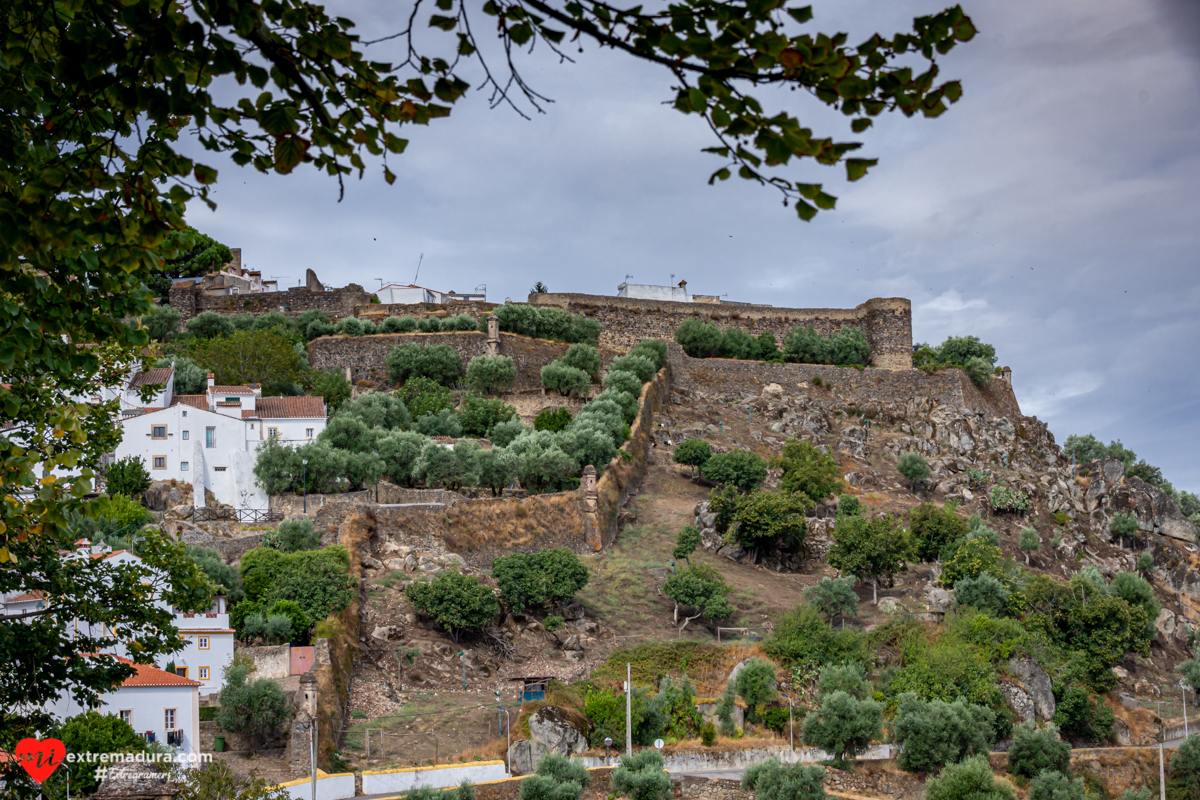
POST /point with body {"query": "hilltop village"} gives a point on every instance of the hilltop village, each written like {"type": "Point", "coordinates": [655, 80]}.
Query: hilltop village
{"type": "Point", "coordinates": [445, 531]}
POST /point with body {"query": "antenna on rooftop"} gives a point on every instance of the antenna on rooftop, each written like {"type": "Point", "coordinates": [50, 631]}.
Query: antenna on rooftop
{"type": "Point", "coordinates": [627, 276]}
{"type": "Point", "coordinates": [672, 278]}
{"type": "Point", "coordinates": [380, 282]}
{"type": "Point", "coordinates": [419, 260]}
{"type": "Point", "coordinates": [483, 287]}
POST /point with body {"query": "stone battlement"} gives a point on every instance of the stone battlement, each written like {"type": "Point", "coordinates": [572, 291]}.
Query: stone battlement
{"type": "Point", "coordinates": [886, 321]}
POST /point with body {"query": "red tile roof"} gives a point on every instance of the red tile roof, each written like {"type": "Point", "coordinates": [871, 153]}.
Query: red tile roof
{"type": "Point", "coordinates": [283, 407]}
{"type": "Point", "coordinates": [154, 377]}
{"type": "Point", "coordinates": [243, 389]}
{"type": "Point", "coordinates": [28, 597]}
{"type": "Point", "coordinates": [194, 400]}
{"type": "Point", "coordinates": [148, 675]}
{"type": "Point", "coordinates": [206, 630]}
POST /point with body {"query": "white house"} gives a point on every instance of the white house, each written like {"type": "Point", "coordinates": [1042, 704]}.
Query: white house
{"type": "Point", "coordinates": [162, 706]}
{"type": "Point", "coordinates": [211, 440]}
{"type": "Point", "coordinates": [645, 291]}
{"type": "Point", "coordinates": [407, 294]}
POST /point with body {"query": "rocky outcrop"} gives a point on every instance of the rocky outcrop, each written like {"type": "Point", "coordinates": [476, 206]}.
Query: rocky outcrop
{"type": "Point", "coordinates": [561, 731]}
{"type": "Point", "coordinates": [524, 755]}
{"type": "Point", "coordinates": [1033, 681]}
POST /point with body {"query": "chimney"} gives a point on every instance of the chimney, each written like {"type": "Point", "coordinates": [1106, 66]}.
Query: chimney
{"type": "Point", "coordinates": [212, 380]}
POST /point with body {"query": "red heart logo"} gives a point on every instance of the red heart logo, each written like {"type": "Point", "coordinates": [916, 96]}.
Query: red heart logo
{"type": "Point", "coordinates": [40, 757]}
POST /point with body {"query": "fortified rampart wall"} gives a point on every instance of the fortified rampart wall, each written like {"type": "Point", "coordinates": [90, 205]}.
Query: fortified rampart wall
{"type": "Point", "coordinates": [886, 322]}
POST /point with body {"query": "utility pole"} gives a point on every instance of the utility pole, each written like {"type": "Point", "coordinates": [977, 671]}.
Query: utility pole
{"type": "Point", "coordinates": [1162, 773]}
{"type": "Point", "coordinates": [629, 712]}
{"type": "Point", "coordinates": [312, 744]}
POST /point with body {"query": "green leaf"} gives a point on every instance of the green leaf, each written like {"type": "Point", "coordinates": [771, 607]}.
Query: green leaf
{"type": "Point", "coordinates": [861, 124]}
{"type": "Point", "coordinates": [857, 167]}
{"type": "Point", "coordinates": [445, 23]}
{"type": "Point", "coordinates": [205, 175]}
{"type": "Point", "coordinates": [802, 15]}
{"type": "Point", "coordinates": [721, 174]}
{"type": "Point", "coordinates": [804, 210]}
{"type": "Point", "coordinates": [288, 153]}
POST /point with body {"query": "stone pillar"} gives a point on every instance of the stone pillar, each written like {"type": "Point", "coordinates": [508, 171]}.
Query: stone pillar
{"type": "Point", "coordinates": [594, 534]}
{"type": "Point", "coordinates": [1007, 373]}
{"type": "Point", "coordinates": [299, 741]}
{"type": "Point", "coordinates": [493, 335]}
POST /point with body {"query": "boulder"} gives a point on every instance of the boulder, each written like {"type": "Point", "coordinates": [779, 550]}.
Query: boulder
{"type": "Point", "coordinates": [889, 605]}
{"type": "Point", "coordinates": [385, 632]}
{"type": "Point", "coordinates": [395, 564]}
{"type": "Point", "coordinates": [524, 755]}
{"type": "Point", "coordinates": [560, 730]}
{"type": "Point", "coordinates": [1165, 625]}
{"type": "Point", "coordinates": [709, 712]}
{"type": "Point", "coordinates": [573, 611]}
{"type": "Point", "coordinates": [1036, 684]}
{"type": "Point", "coordinates": [1129, 701]}
{"type": "Point", "coordinates": [1019, 701]}
{"type": "Point", "coordinates": [938, 599]}
{"type": "Point", "coordinates": [371, 563]}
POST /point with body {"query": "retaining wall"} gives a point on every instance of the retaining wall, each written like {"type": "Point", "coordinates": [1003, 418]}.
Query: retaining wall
{"type": "Point", "coordinates": [189, 300]}
{"type": "Point", "coordinates": [439, 777]}
{"type": "Point", "coordinates": [714, 760]}
{"type": "Point", "coordinates": [329, 787]}
{"type": "Point", "coordinates": [273, 662]}
{"type": "Point", "coordinates": [886, 322]}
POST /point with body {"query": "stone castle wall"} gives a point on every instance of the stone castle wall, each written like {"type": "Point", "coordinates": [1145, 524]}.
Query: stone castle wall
{"type": "Point", "coordinates": [189, 300]}
{"type": "Point", "coordinates": [886, 322]}
{"type": "Point", "coordinates": [378, 312]}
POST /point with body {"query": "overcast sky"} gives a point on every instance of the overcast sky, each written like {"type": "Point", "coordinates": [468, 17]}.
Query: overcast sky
{"type": "Point", "coordinates": [1053, 211]}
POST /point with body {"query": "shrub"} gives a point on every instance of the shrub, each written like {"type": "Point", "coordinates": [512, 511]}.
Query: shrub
{"type": "Point", "coordinates": [640, 366]}
{"type": "Point", "coordinates": [847, 347]}
{"type": "Point", "coordinates": [947, 671]}
{"type": "Point", "coordinates": [843, 725]}
{"type": "Point", "coordinates": [455, 602]}
{"type": "Point", "coordinates": [708, 734]}
{"type": "Point", "coordinates": [971, 558]}
{"type": "Point", "coordinates": [737, 343]}
{"type": "Point", "coordinates": [478, 414]}
{"type": "Point", "coordinates": [313, 323]}
{"type": "Point", "coordinates": [1029, 541]}
{"type": "Point", "coordinates": [656, 351]}
{"type": "Point", "coordinates": [502, 434]}
{"type": "Point", "coordinates": [623, 381]}
{"type": "Point", "coordinates": [914, 467]}
{"type": "Point", "coordinates": [769, 517]}
{"type": "Point", "coordinates": [377, 410]}
{"type": "Point", "coordinates": [933, 528]}
{"type": "Point", "coordinates": [452, 468]}
{"type": "Point", "coordinates": [984, 592]}
{"type": "Point", "coordinates": [628, 403]}
{"type": "Point", "coordinates": [979, 371]}
{"type": "Point", "coordinates": [870, 547]}
{"type": "Point", "coordinates": [394, 325]}
{"type": "Point", "coordinates": [1124, 525]}
{"type": "Point", "coordinates": [557, 778]}
{"type": "Point", "coordinates": [809, 471]}
{"type": "Point", "coordinates": [93, 732]}
{"type": "Point", "coordinates": [422, 396]}
{"type": "Point", "coordinates": [701, 588]}
{"type": "Point", "coordinates": [299, 623]}
{"type": "Point", "coordinates": [755, 682]}
{"type": "Point", "coordinates": [491, 374]}
{"type": "Point", "coordinates": [1137, 591]}
{"type": "Point", "coordinates": [833, 597]}
{"type": "Point", "coordinates": [699, 339]}
{"type": "Point", "coordinates": [849, 506]}
{"type": "Point", "coordinates": [693, 452]}
{"type": "Point", "coordinates": [584, 357]}
{"type": "Point", "coordinates": [221, 574]}
{"type": "Point", "coordinates": [189, 377]}
{"type": "Point", "coordinates": [584, 329]}
{"type": "Point", "coordinates": [686, 543]}
{"type": "Point", "coordinates": [429, 325]}
{"type": "Point", "coordinates": [1145, 562]}
{"type": "Point", "coordinates": [850, 678]}
{"type": "Point", "coordinates": [740, 468]}
{"type": "Point", "coordinates": [530, 580]}
{"type": "Point", "coordinates": [1036, 749]}
{"type": "Point", "coordinates": [971, 779]}
{"type": "Point", "coordinates": [725, 706]}
{"type": "Point", "coordinates": [127, 476]}
{"type": "Point", "coordinates": [1082, 718]}
{"type": "Point", "coordinates": [350, 434]}
{"type": "Point", "coordinates": [565, 380]}
{"type": "Point", "coordinates": [771, 780]}
{"type": "Point", "coordinates": [278, 628]}
{"type": "Point", "coordinates": [1005, 499]}
{"type": "Point", "coordinates": [126, 512]}
{"type": "Point", "coordinates": [257, 708]}
{"type": "Point", "coordinates": [804, 639]}
{"type": "Point", "coordinates": [162, 323]}
{"type": "Point", "coordinates": [804, 345]}
{"type": "Point", "coordinates": [1051, 785]}
{"type": "Point", "coordinates": [315, 579]}
{"type": "Point", "coordinates": [1184, 783]}
{"type": "Point", "coordinates": [440, 363]}
{"type": "Point", "coordinates": [961, 349]}
{"type": "Point", "coordinates": [399, 451]}
{"type": "Point", "coordinates": [350, 326]}
{"type": "Point", "coordinates": [552, 419]}
{"type": "Point", "coordinates": [642, 777]}
{"type": "Point", "coordinates": [461, 322]}
{"type": "Point", "coordinates": [292, 536]}
{"type": "Point", "coordinates": [932, 734]}
{"type": "Point", "coordinates": [209, 325]}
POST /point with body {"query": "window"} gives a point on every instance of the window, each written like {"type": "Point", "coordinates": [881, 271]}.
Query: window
{"type": "Point", "coordinates": [202, 642]}
{"type": "Point", "coordinates": [126, 716]}
{"type": "Point", "coordinates": [183, 466]}
{"type": "Point", "coordinates": [308, 433]}
{"type": "Point", "coordinates": [160, 462]}
{"type": "Point", "coordinates": [233, 290]}
{"type": "Point", "coordinates": [273, 432]}
{"type": "Point", "coordinates": [158, 432]}
{"type": "Point", "coordinates": [185, 414]}
{"type": "Point", "coordinates": [204, 673]}
{"type": "Point", "coordinates": [210, 437]}
{"type": "Point", "coordinates": [169, 718]}
{"type": "Point", "coordinates": [181, 671]}
{"type": "Point", "coordinates": [218, 469]}
{"type": "Point", "coordinates": [233, 399]}
{"type": "Point", "coordinates": [187, 434]}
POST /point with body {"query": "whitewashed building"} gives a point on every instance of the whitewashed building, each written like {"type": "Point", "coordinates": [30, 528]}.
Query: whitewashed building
{"type": "Point", "coordinates": [408, 294]}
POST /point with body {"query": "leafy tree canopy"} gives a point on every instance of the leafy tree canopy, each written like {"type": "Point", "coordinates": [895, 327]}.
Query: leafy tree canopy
{"type": "Point", "coordinates": [809, 471]}
{"type": "Point", "coordinates": [456, 602]}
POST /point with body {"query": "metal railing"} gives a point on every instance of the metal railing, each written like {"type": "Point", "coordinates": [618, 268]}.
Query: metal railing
{"type": "Point", "coordinates": [206, 514]}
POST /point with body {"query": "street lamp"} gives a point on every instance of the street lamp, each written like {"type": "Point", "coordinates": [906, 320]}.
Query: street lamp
{"type": "Point", "coordinates": [303, 482]}
{"type": "Point", "coordinates": [607, 744]}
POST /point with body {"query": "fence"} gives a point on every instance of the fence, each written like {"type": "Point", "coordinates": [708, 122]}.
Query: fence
{"type": "Point", "coordinates": [205, 514]}
{"type": "Point", "coordinates": [394, 746]}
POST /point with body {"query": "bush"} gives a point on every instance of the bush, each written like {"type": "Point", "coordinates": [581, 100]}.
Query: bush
{"type": "Point", "coordinates": [125, 512]}
{"type": "Point", "coordinates": [979, 371]}
{"type": "Point", "coordinates": [708, 734]}
{"type": "Point", "coordinates": [1082, 718]}
{"type": "Point", "coordinates": [209, 325]}
{"type": "Point", "coordinates": [808, 471]}
{"type": "Point", "coordinates": [693, 452]}
{"type": "Point", "coordinates": [772, 517]}
{"type": "Point", "coordinates": [461, 322]}
{"type": "Point", "coordinates": [850, 678]}
{"type": "Point", "coordinates": [565, 380]}
{"type": "Point", "coordinates": [315, 579]}
{"type": "Point", "coordinates": [530, 580]}
{"type": "Point", "coordinates": [656, 351]}
{"type": "Point", "coordinates": [932, 734]}
{"type": "Point", "coordinates": [848, 347]}
{"type": "Point", "coordinates": [189, 378]}
{"type": "Point", "coordinates": [1051, 785]}
{"type": "Point", "coordinates": [440, 363]}
{"type": "Point", "coordinates": [277, 629]}
{"type": "Point", "coordinates": [422, 396]}
{"type": "Point", "coordinates": [971, 557]}
{"type": "Point", "coordinates": [870, 547]}
{"type": "Point", "coordinates": [221, 574]}
{"type": "Point", "coordinates": [686, 543]}
{"type": "Point", "coordinates": [642, 777]}
{"type": "Point", "coordinates": [849, 506]}
{"type": "Point", "coordinates": [455, 602]}
{"type": "Point", "coordinates": [429, 325]}
{"type": "Point", "coordinates": [802, 638]}
{"type": "Point", "coordinates": [1036, 749]}
{"type": "Point", "coordinates": [1184, 783]}
{"type": "Point", "coordinates": [1124, 525]}
{"type": "Point", "coordinates": [93, 732]}
{"type": "Point", "coordinates": [947, 671]}
{"type": "Point", "coordinates": [833, 597]}
{"type": "Point", "coordinates": [805, 346]}
{"type": "Point", "coordinates": [257, 708]}
{"type": "Point", "coordinates": [292, 536]}
{"type": "Point", "coordinates": [350, 326]}
{"type": "Point", "coordinates": [313, 323]}
{"type": "Point", "coordinates": [624, 381]}
{"type": "Point", "coordinates": [737, 343]}
{"type": "Point", "coordinates": [399, 451]}
{"type": "Point", "coordinates": [552, 419]}
{"type": "Point", "coordinates": [968, 780]}
{"type": "Point", "coordinates": [452, 468]}
{"type": "Point", "coordinates": [394, 325]}
{"type": "Point", "coordinates": [984, 592]}
{"type": "Point", "coordinates": [699, 339]}
{"type": "Point", "coordinates": [478, 415]}
{"type": "Point", "coordinates": [701, 588]}
{"type": "Point", "coordinates": [739, 468]}
{"type": "Point", "coordinates": [771, 780]}
{"type": "Point", "coordinates": [299, 623]}
{"type": "Point", "coordinates": [1137, 591]}
{"type": "Point", "coordinates": [502, 434]}
{"type": "Point", "coordinates": [640, 366]}
{"type": "Point", "coordinates": [843, 725]}
{"type": "Point", "coordinates": [933, 528]}
{"type": "Point", "coordinates": [162, 323]}
{"type": "Point", "coordinates": [1005, 499]}
{"type": "Point", "coordinates": [491, 374]}
{"type": "Point", "coordinates": [628, 403]}
{"type": "Point", "coordinates": [914, 467]}
{"type": "Point", "coordinates": [350, 434]}
{"type": "Point", "coordinates": [755, 682]}
{"type": "Point", "coordinates": [127, 476]}
{"type": "Point", "coordinates": [584, 357]}
{"type": "Point", "coordinates": [377, 410]}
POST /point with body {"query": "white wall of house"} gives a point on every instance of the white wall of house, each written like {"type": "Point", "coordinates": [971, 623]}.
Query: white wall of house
{"type": "Point", "coordinates": [406, 294]}
{"type": "Point", "coordinates": [205, 656]}
{"type": "Point", "coordinates": [147, 709]}
{"type": "Point", "coordinates": [645, 291]}
{"type": "Point", "coordinates": [292, 431]}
